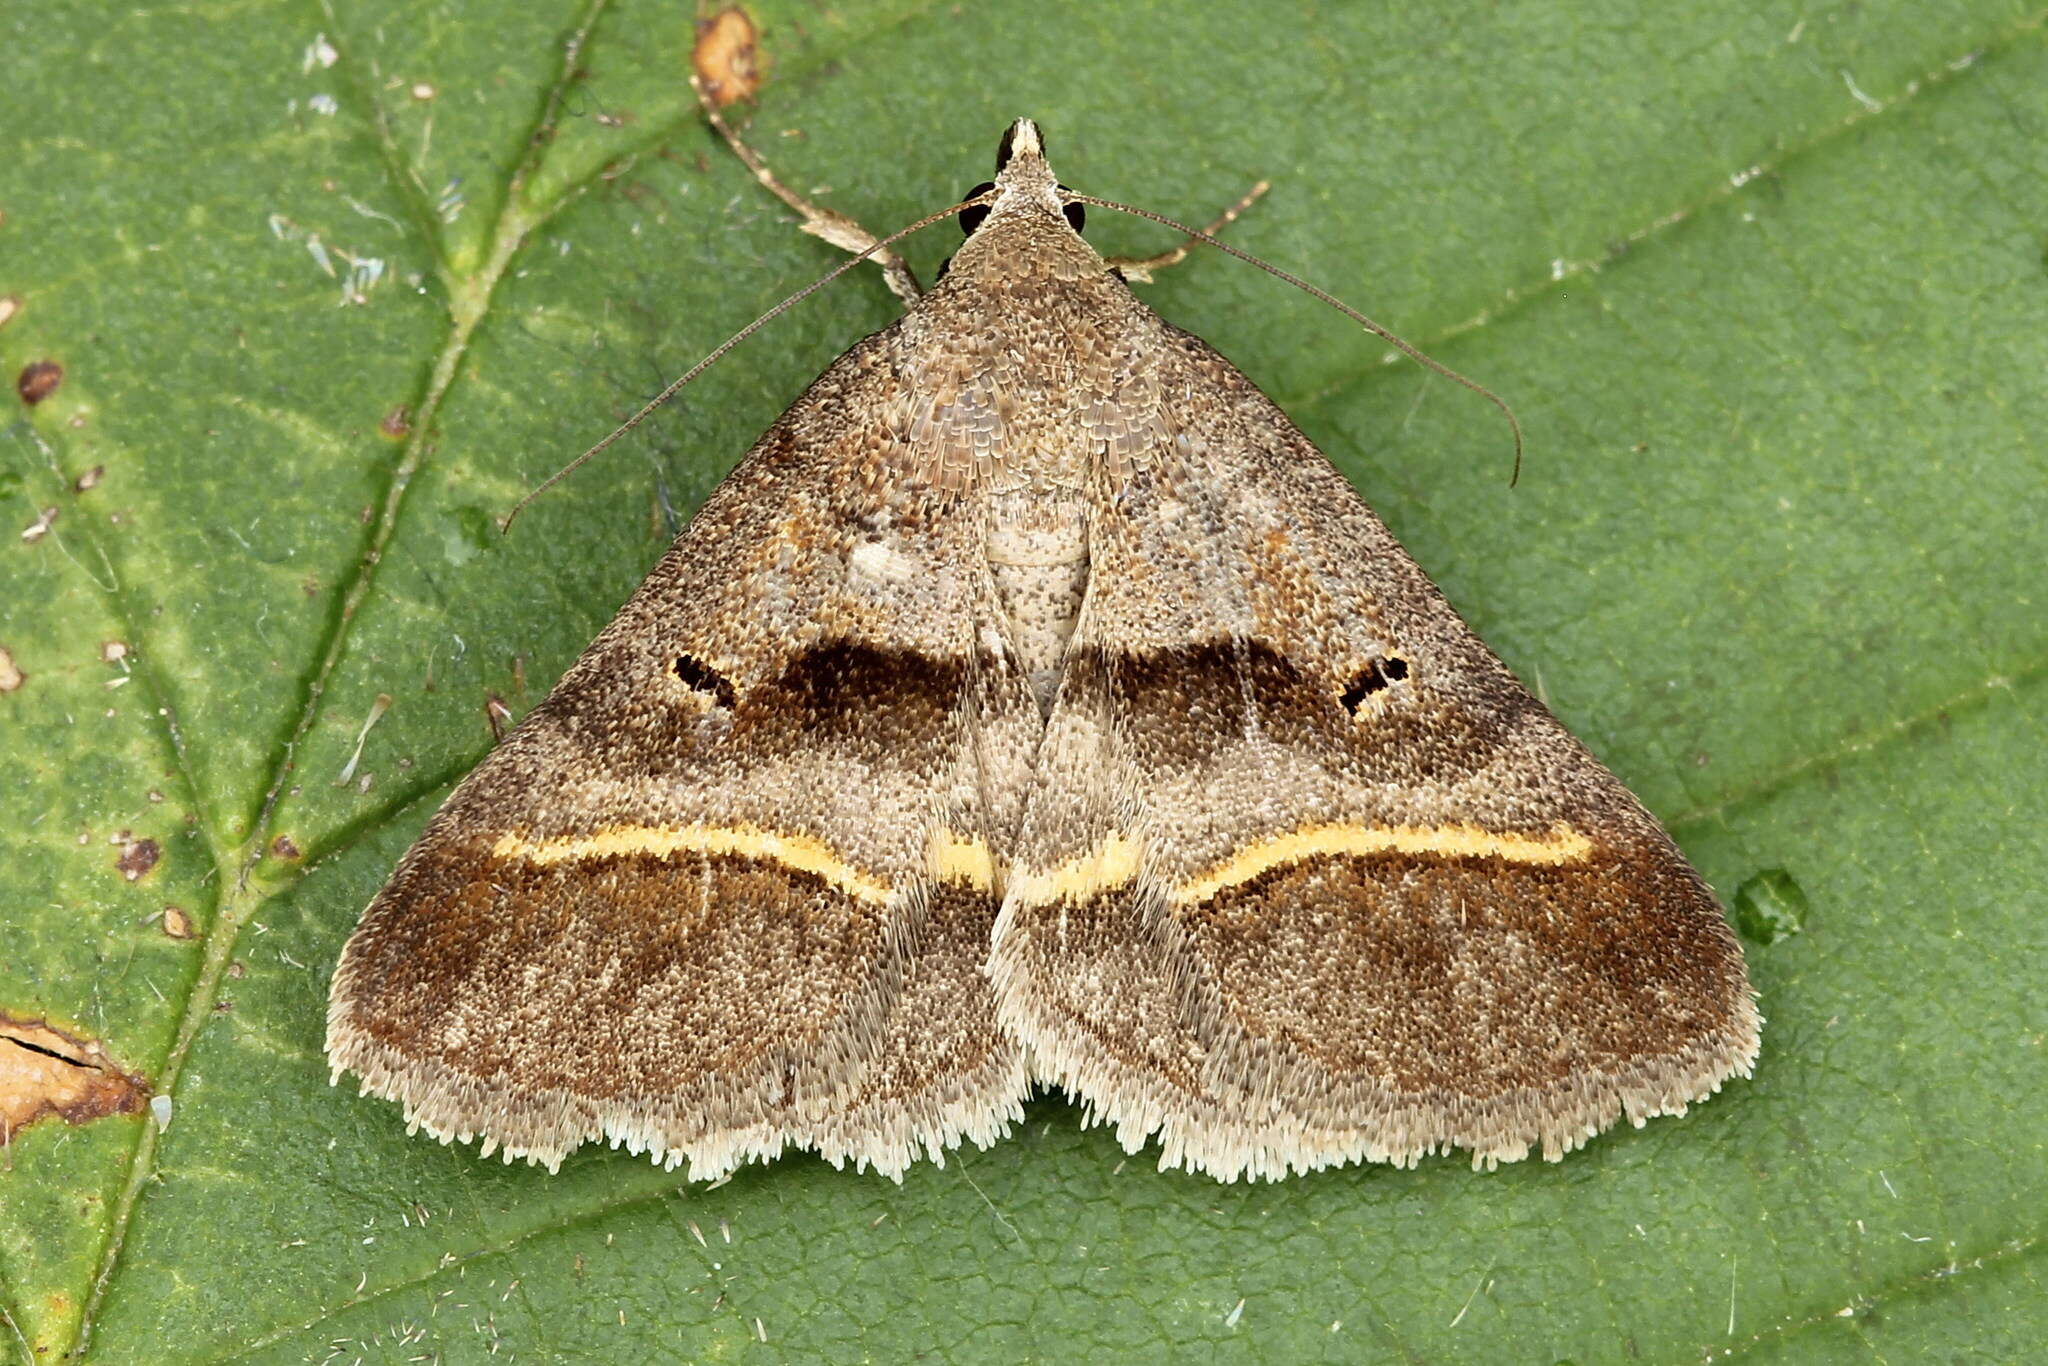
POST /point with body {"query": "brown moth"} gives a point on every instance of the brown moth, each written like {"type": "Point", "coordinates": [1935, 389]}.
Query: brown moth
{"type": "Point", "coordinates": [1034, 704]}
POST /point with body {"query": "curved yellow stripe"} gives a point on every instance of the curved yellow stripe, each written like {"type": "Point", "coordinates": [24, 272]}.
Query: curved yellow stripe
{"type": "Point", "coordinates": [1108, 866]}
{"type": "Point", "coordinates": [954, 857]}
{"type": "Point", "coordinates": [800, 852]}
{"type": "Point", "coordinates": [1562, 844]}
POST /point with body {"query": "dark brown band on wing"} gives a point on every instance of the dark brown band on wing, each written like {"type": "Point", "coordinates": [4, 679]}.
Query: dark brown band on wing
{"type": "Point", "coordinates": [1180, 706]}
{"type": "Point", "coordinates": [1472, 976]}
{"type": "Point", "coordinates": [835, 702]}
{"type": "Point", "coordinates": [833, 691]}
{"type": "Point", "coordinates": [608, 976]}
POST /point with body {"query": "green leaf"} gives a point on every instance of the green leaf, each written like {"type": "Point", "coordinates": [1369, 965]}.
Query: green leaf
{"type": "Point", "coordinates": [1765, 284]}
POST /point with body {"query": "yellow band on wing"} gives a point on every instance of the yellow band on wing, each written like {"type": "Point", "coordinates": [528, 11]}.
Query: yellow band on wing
{"type": "Point", "coordinates": [954, 857]}
{"type": "Point", "coordinates": [800, 852]}
{"type": "Point", "coordinates": [1108, 866]}
{"type": "Point", "coordinates": [1560, 845]}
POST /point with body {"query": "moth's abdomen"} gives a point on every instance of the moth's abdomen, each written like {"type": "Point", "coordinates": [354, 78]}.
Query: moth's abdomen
{"type": "Point", "coordinates": [1038, 554]}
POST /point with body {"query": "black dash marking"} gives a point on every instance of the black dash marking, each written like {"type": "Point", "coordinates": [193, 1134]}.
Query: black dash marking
{"type": "Point", "coordinates": [701, 677]}
{"type": "Point", "coordinates": [1376, 676]}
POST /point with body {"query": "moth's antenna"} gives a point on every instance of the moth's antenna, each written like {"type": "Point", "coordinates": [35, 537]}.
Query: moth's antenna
{"type": "Point", "coordinates": [1405, 348]}
{"type": "Point", "coordinates": [505, 523]}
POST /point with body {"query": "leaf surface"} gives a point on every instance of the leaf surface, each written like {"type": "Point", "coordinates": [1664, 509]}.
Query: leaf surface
{"type": "Point", "coordinates": [331, 286]}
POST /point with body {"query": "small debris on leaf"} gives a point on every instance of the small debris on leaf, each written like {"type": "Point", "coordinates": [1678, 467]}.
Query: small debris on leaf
{"type": "Point", "coordinates": [725, 57]}
{"type": "Point", "coordinates": [138, 856]}
{"type": "Point", "coordinates": [38, 380]}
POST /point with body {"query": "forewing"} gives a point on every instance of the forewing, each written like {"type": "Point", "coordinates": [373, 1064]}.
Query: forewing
{"type": "Point", "coordinates": [707, 899]}
{"type": "Point", "coordinates": [1306, 875]}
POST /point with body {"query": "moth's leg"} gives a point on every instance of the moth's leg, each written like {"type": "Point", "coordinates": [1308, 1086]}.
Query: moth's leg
{"type": "Point", "coordinates": [1140, 268]}
{"type": "Point", "coordinates": [819, 221]}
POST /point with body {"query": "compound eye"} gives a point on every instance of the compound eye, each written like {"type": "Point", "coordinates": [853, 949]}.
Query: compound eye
{"type": "Point", "coordinates": [970, 218]}
{"type": "Point", "coordinates": [1077, 214]}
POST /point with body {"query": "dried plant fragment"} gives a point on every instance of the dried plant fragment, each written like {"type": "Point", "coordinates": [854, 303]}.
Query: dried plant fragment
{"type": "Point", "coordinates": [38, 380]}
{"type": "Point", "coordinates": [45, 1071]}
{"type": "Point", "coordinates": [726, 59]}
{"type": "Point", "coordinates": [138, 856]}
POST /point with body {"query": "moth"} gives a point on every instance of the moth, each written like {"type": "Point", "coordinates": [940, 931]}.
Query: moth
{"type": "Point", "coordinates": [1033, 705]}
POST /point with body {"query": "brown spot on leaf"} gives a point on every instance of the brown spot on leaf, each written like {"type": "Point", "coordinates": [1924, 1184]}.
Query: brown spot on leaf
{"type": "Point", "coordinates": [284, 847]}
{"type": "Point", "coordinates": [38, 380]}
{"type": "Point", "coordinates": [10, 304]}
{"type": "Point", "coordinates": [11, 677]}
{"type": "Point", "coordinates": [397, 423]}
{"type": "Point", "coordinates": [725, 58]}
{"type": "Point", "coordinates": [90, 479]}
{"type": "Point", "coordinates": [138, 856]}
{"type": "Point", "coordinates": [40, 527]}
{"type": "Point", "coordinates": [113, 651]}
{"type": "Point", "coordinates": [177, 924]}
{"type": "Point", "coordinates": [45, 1071]}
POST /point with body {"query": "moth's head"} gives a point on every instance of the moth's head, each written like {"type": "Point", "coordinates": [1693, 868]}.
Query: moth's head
{"type": "Point", "coordinates": [1028, 214]}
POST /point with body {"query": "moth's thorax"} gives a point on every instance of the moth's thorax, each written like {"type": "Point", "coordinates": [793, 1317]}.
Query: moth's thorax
{"type": "Point", "coordinates": [1028, 243]}
{"type": "Point", "coordinates": [1031, 362]}
{"type": "Point", "coordinates": [1030, 377]}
